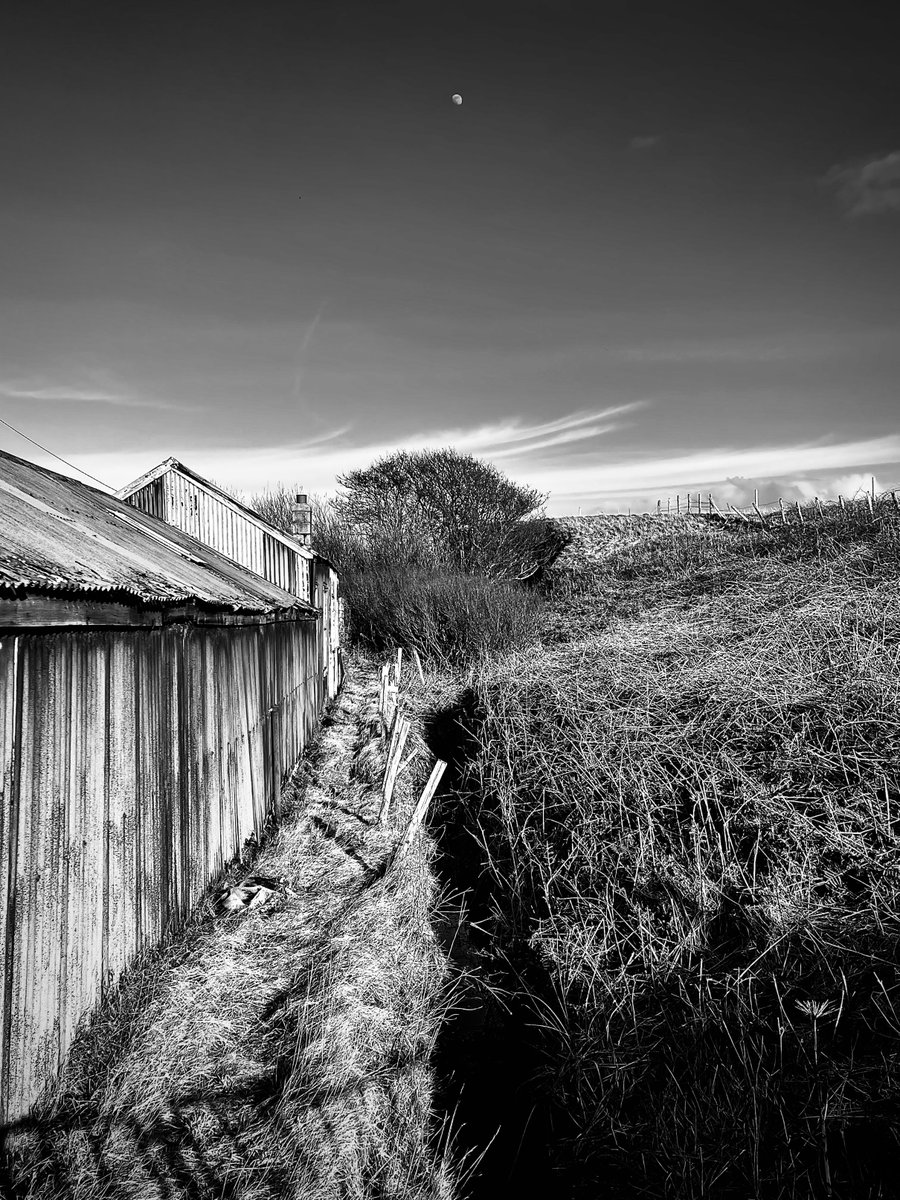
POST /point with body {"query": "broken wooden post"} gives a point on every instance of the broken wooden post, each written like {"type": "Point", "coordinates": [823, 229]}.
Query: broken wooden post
{"type": "Point", "coordinates": [800, 513]}
{"type": "Point", "coordinates": [398, 742]}
{"type": "Point", "coordinates": [399, 665]}
{"type": "Point", "coordinates": [421, 809]}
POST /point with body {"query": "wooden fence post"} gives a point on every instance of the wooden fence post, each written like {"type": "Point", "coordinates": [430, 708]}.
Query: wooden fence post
{"type": "Point", "coordinates": [421, 809]}
{"type": "Point", "coordinates": [417, 662]}
{"type": "Point", "coordinates": [398, 742]}
{"type": "Point", "coordinates": [800, 513]}
{"type": "Point", "coordinates": [781, 506]}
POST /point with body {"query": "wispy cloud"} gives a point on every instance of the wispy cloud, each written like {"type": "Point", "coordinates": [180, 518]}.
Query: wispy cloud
{"type": "Point", "coordinates": [303, 350]}
{"type": "Point", "coordinates": [707, 470]}
{"type": "Point", "coordinates": [867, 187]}
{"type": "Point", "coordinates": [595, 477]}
{"type": "Point", "coordinates": [40, 392]}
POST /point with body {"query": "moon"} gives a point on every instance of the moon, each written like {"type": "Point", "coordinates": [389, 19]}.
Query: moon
{"type": "Point", "coordinates": [456, 98]}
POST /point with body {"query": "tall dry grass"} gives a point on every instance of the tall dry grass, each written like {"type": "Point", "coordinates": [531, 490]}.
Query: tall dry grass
{"type": "Point", "coordinates": [689, 804]}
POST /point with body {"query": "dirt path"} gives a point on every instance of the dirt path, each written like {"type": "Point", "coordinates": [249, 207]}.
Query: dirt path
{"type": "Point", "coordinates": [277, 1051]}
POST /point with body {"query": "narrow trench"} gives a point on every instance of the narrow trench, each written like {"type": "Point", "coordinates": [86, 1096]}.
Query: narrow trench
{"type": "Point", "coordinates": [488, 1059]}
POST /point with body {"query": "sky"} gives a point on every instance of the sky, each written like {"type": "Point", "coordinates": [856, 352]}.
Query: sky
{"type": "Point", "coordinates": [655, 250]}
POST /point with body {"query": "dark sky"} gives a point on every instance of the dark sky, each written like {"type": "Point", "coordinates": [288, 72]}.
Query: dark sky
{"type": "Point", "coordinates": [656, 248]}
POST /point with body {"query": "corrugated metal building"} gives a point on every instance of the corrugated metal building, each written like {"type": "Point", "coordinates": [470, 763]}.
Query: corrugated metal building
{"type": "Point", "coordinates": [181, 497]}
{"type": "Point", "coordinates": [153, 696]}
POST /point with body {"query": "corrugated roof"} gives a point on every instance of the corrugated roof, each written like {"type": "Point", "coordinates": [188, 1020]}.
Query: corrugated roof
{"type": "Point", "coordinates": [57, 534]}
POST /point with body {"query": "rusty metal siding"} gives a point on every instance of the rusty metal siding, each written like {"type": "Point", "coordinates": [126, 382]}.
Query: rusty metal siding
{"type": "Point", "coordinates": [133, 765]}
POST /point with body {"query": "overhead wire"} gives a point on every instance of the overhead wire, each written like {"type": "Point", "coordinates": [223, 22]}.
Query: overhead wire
{"type": "Point", "coordinates": [53, 454]}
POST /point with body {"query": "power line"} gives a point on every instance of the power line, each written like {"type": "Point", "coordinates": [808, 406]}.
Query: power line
{"type": "Point", "coordinates": [55, 455]}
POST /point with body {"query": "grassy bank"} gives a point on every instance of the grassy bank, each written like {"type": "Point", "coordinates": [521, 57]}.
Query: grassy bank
{"type": "Point", "coordinates": [689, 802]}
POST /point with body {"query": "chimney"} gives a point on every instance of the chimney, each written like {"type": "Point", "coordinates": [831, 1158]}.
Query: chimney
{"type": "Point", "coordinates": [301, 519]}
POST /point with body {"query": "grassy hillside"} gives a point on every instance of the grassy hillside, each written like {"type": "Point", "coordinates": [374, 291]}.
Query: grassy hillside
{"type": "Point", "coordinates": [689, 801]}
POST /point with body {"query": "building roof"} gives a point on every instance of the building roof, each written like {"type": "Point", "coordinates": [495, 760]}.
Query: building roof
{"type": "Point", "coordinates": [59, 535]}
{"type": "Point", "coordinates": [172, 464]}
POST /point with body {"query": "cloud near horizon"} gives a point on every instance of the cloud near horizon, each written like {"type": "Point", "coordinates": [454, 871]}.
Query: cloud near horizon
{"type": "Point", "coordinates": [596, 477]}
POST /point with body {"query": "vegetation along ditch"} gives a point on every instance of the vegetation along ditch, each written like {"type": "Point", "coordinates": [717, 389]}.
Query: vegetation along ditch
{"type": "Point", "coordinates": [671, 834]}
{"type": "Point", "coordinates": [650, 948]}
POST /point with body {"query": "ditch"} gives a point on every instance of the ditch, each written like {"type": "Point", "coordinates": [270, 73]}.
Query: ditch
{"type": "Point", "coordinates": [489, 1062]}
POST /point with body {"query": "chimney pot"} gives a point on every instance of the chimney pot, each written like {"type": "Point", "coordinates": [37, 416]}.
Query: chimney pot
{"type": "Point", "coordinates": [301, 519]}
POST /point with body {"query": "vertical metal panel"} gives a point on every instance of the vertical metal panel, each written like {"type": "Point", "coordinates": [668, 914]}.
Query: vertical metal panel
{"type": "Point", "coordinates": [10, 736]}
{"type": "Point", "coordinates": [181, 502]}
{"type": "Point", "coordinates": [134, 763]}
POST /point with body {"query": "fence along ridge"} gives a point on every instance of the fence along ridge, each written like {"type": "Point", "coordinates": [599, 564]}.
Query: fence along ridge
{"type": "Point", "coordinates": [694, 504]}
{"type": "Point", "coordinates": [396, 726]}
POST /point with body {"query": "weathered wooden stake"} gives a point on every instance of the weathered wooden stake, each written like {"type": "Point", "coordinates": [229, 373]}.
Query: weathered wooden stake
{"type": "Point", "coordinates": [398, 742]}
{"type": "Point", "coordinates": [759, 513]}
{"type": "Point", "coordinates": [417, 662]}
{"type": "Point", "coordinates": [800, 514]}
{"type": "Point", "coordinates": [421, 809]}
{"type": "Point", "coordinates": [390, 706]}
{"type": "Point", "coordinates": [743, 516]}
{"type": "Point", "coordinates": [399, 664]}
{"type": "Point", "coordinates": [781, 506]}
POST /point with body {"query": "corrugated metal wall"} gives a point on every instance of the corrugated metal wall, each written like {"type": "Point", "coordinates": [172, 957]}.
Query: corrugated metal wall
{"type": "Point", "coordinates": [133, 765]}
{"type": "Point", "coordinates": [178, 500]}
